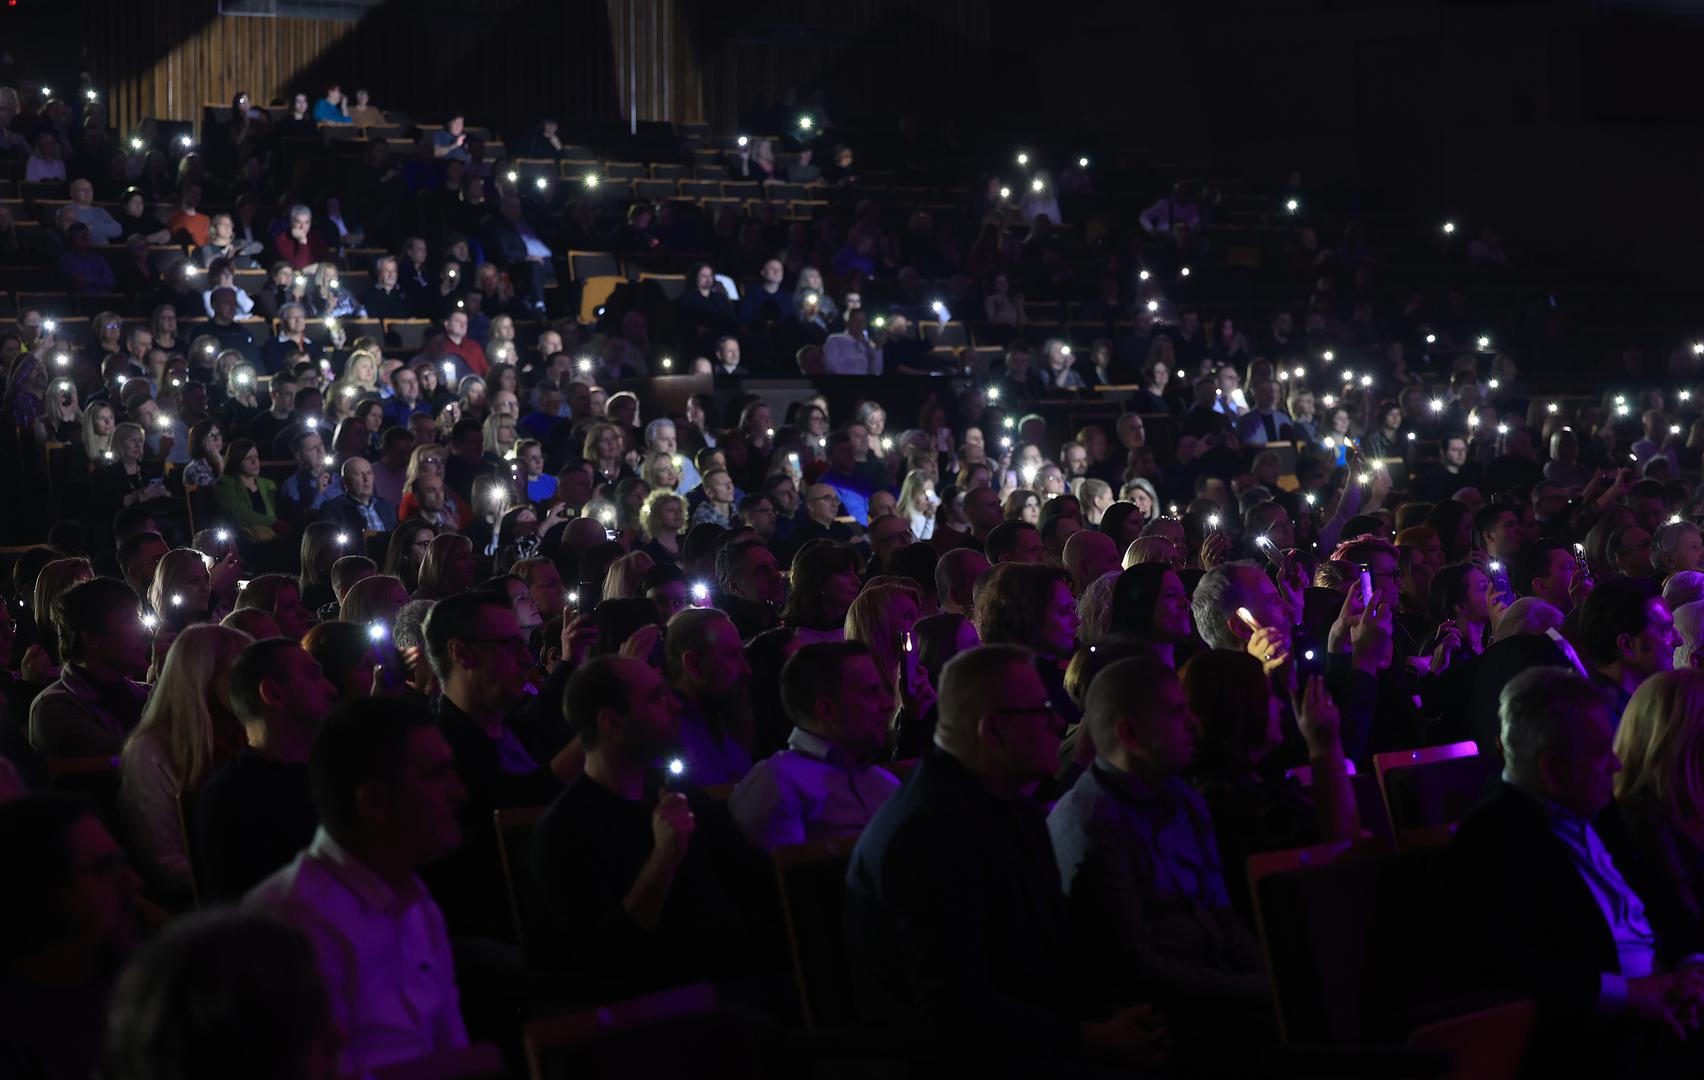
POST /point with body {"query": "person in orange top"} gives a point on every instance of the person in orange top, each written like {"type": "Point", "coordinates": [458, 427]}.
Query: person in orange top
{"type": "Point", "coordinates": [188, 217]}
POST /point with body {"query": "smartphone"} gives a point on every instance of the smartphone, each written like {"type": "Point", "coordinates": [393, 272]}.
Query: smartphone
{"type": "Point", "coordinates": [909, 657]}
{"type": "Point", "coordinates": [1366, 587]}
{"type": "Point", "coordinates": [389, 661]}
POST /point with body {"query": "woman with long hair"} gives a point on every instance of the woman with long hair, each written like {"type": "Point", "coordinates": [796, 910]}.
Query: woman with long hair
{"type": "Point", "coordinates": [1660, 790]}
{"type": "Point", "coordinates": [917, 502]}
{"type": "Point", "coordinates": [884, 619]}
{"type": "Point", "coordinates": [1255, 807]}
{"type": "Point", "coordinates": [448, 568]}
{"type": "Point", "coordinates": [99, 422]}
{"type": "Point", "coordinates": [407, 550]}
{"type": "Point", "coordinates": [182, 591]}
{"type": "Point", "coordinates": [825, 582]}
{"type": "Point", "coordinates": [320, 548]}
{"type": "Point", "coordinates": [1151, 605]}
{"type": "Point", "coordinates": [621, 580]}
{"type": "Point", "coordinates": [187, 730]}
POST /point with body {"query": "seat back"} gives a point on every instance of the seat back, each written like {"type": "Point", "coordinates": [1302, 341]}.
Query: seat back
{"type": "Point", "coordinates": [583, 265]}
{"type": "Point", "coordinates": [1487, 1044]}
{"type": "Point", "coordinates": [676, 1032]}
{"type": "Point", "coordinates": [595, 293]}
{"type": "Point", "coordinates": [408, 333]}
{"type": "Point", "coordinates": [1353, 942]}
{"type": "Point", "coordinates": [812, 881]}
{"type": "Point", "coordinates": [527, 911]}
{"type": "Point", "coordinates": [1433, 786]}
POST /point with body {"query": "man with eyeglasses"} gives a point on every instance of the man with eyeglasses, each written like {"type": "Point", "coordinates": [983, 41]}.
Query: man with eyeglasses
{"type": "Point", "coordinates": [957, 873]}
{"type": "Point", "coordinates": [70, 917]}
{"type": "Point", "coordinates": [508, 756]}
{"type": "Point", "coordinates": [821, 506]}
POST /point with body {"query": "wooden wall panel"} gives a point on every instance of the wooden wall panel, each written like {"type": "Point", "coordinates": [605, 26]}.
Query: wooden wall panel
{"type": "Point", "coordinates": [166, 60]}
{"type": "Point", "coordinates": [673, 60]}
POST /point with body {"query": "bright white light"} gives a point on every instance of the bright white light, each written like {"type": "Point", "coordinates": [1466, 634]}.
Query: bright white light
{"type": "Point", "coordinates": [1082, 163]}
{"type": "Point", "coordinates": [1005, 192]}
{"type": "Point", "coordinates": [992, 393]}
{"type": "Point", "coordinates": [806, 123]}
{"type": "Point", "coordinates": [150, 621]}
{"type": "Point", "coordinates": [700, 592]}
{"type": "Point", "coordinates": [1183, 271]}
{"type": "Point", "coordinates": [743, 140]}
{"type": "Point", "coordinates": [1023, 158]}
{"type": "Point", "coordinates": [542, 184]}
{"type": "Point", "coordinates": [1142, 275]}
{"type": "Point", "coordinates": [1328, 356]}
{"type": "Point", "coordinates": [185, 141]}
{"type": "Point", "coordinates": [1437, 406]}
{"type": "Point", "coordinates": [1410, 436]}
{"type": "Point", "coordinates": [585, 365]}
{"type": "Point", "coordinates": [1552, 407]}
{"type": "Point", "coordinates": [222, 535]}
{"type": "Point", "coordinates": [136, 142]}
{"type": "Point", "coordinates": [376, 632]}
{"type": "Point", "coordinates": [1449, 227]}
{"type": "Point", "coordinates": [677, 767]}
{"type": "Point", "coordinates": [1036, 184]}
{"type": "Point", "coordinates": [1292, 206]}
{"type": "Point", "coordinates": [1502, 429]}
{"type": "Point", "coordinates": [1431, 339]}
{"type": "Point", "coordinates": [177, 600]}
{"type": "Point", "coordinates": [513, 176]}
{"type": "Point", "coordinates": [1153, 305]}
{"type": "Point", "coordinates": [591, 180]}
{"type": "Point", "coordinates": [1484, 342]}
{"type": "Point", "coordinates": [667, 364]}
{"type": "Point", "coordinates": [342, 539]}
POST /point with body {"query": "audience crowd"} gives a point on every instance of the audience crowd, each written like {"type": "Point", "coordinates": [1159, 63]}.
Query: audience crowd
{"type": "Point", "coordinates": [1043, 642]}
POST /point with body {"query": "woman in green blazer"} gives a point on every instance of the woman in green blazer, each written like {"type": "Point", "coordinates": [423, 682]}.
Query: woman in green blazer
{"type": "Point", "coordinates": [247, 499]}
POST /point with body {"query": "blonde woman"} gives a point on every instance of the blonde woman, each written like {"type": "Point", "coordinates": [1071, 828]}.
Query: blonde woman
{"type": "Point", "coordinates": [182, 589]}
{"type": "Point", "coordinates": [187, 730]}
{"type": "Point", "coordinates": [98, 423]}
{"type": "Point", "coordinates": [621, 580]}
{"type": "Point", "coordinates": [1660, 789]}
{"type": "Point", "coordinates": [54, 578]}
{"type": "Point", "coordinates": [501, 436]}
{"type": "Point", "coordinates": [660, 471]}
{"type": "Point", "coordinates": [662, 517]}
{"type": "Point", "coordinates": [917, 501]}
{"type": "Point", "coordinates": [605, 449]}
{"type": "Point", "coordinates": [881, 617]}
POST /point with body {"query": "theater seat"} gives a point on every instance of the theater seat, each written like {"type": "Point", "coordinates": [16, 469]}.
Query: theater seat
{"type": "Point", "coordinates": [526, 906]}
{"type": "Point", "coordinates": [1355, 939]}
{"type": "Point", "coordinates": [1434, 785]}
{"type": "Point", "coordinates": [589, 264]}
{"type": "Point", "coordinates": [408, 333]}
{"type": "Point", "coordinates": [812, 880]}
{"type": "Point", "coordinates": [679, 1032]}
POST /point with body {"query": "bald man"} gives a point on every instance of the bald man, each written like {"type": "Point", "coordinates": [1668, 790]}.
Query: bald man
{"type": "Point", "coordinates": [360, 508]}
{"type": "Point", "coordinates": [819, 508]}
{"type": "Point", "coordinates": [1089, 555]}
{"type": "Point", "coordinates": [956, 574]}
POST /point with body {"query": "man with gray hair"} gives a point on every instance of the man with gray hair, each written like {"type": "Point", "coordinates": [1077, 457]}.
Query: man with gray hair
{"type": "Point", "coordinates": [661, 438]}
{"type": "Point", "coordinates": [292, 338]}
{"type": "Point", "coordinates": [957, 874]}
{"type": "Point", "coordinates": [1232, 587]}
{"type": "Point", "coordinates": [1552, 915]}
{"type": "Point", "coordinates": [1675, 547]}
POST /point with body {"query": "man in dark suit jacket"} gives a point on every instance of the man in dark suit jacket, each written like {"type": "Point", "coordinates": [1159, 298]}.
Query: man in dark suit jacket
{"type": "Point", "coordinates": [513, 245]}
{"type": "Point", "coordinates": [956, 925]}
{"type": "Point", "coordinates": [1556, 914]}
{"type": "Point", "coordinates": [359, 508]}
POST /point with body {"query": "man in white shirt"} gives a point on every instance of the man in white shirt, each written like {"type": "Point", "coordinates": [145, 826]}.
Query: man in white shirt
{"type": "Point", "coordinates": [385, 784]}
{"type": "Point", "coordinates": [822, 784]}
{"type": "Point", "coordinates": [101, 223]}
{"type": "Point", "coordinates": [851, 352]}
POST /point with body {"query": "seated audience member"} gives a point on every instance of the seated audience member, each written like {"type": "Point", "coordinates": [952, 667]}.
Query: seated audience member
{"type": "Point", "coordinates": [1582, 946]}
{"type": "Point", "coordinates": [1015, 542]}
{"type": "Point", "coordinates": [255, 813]}
{"type": "Point", "coordinates": [1658, 796]}
{"type": "Point", "coordinates": [1138, 860]}
{"type": "Point", "coordinates": [749, 586]}
{"type": "Point", "coordinates": [825, 581]}
{"type": "Point", "coordinates": [187, 731]}
{"type": "Point", "coordinates": [1547, 570]}
{"type": "Point", "coordinates": [70, 916]}
{"type": "Point", "coordinates": [359, 509]}
{"type": "Point", "coordinates": [631, 884]}
{"type": "Point", "coordinates": [1626, 635]}
{"type": "Point", "coordinates": [1254, 806]}
{"type": "Point", "coordinates": [384, 783]}
{"type": "Point", "coordinates": [220, 994]}
{"type": "Point", "coordinates": [707, 669]}
{"type": "Point", "coordinates": [480, 655]}
{"type": "Point", "coordinates": [93, 705]}
{"type": "Point", "coordinates": [1088, 557]}
{"type": "Point", "coordinates": [956, 926]}
{"type": "Point", "coordinates": [822, 784]}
